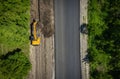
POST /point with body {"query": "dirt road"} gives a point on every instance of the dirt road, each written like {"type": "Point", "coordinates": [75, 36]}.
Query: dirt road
{"type": "Point", "coordinates": [42, 56]}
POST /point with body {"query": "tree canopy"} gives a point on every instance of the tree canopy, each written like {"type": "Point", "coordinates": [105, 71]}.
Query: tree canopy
{"type": "Point", "coordinates": [14, 65]}
{"type": "Point", "coordinates": [14, 39]}
{"type": "Point", "coordinates": [104, 43]}
{"type": "Point", "coordinates": [14, 24]}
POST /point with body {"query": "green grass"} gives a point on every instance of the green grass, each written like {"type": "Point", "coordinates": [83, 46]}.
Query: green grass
{"type": "Point", "coordinates": [14, 39]}
{"type": "Point", "coordinates": [14, 25]}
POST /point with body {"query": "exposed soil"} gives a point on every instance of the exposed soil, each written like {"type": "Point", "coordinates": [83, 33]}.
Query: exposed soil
{"type": "Point", "coordinates": [42, 56]}
{"type": "Point", "coordinates": [83, 40]}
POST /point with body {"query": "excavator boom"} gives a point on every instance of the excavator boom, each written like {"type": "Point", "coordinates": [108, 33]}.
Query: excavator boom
{"type": "Point", "coordinates": [36, 40]}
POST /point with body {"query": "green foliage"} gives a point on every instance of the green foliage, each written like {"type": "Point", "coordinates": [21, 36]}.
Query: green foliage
{"type": "Point", "coordinates": [14, 33]}
{"type": "Point", "coordinates": [14, 24]}
{"type": "Point", "coordinates": [104, 43]}
{"type": "Point", "coordinates": [14, 65]}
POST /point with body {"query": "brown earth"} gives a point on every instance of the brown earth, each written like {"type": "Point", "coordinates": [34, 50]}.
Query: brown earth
{"type": "Point", "coordinates": [42, 56]}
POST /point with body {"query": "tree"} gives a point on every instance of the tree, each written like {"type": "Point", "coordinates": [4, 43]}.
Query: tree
{"type": "Point", "coordinates": [14, 65]}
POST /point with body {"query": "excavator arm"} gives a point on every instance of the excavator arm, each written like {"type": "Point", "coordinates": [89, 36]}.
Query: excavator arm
{"type": "Point", "coordinates": [36, 40]}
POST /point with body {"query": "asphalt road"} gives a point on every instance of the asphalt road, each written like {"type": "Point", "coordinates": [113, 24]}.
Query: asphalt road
{"type": "Point", "coordinates": [67, 39]}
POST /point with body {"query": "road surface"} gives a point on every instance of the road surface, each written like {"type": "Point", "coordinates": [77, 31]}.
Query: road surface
{"type": "Point", "coordinates": [67, 39]}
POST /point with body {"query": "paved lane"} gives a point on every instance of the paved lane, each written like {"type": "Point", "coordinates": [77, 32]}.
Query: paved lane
{"type": "Point", "coordinates": [67, 39]}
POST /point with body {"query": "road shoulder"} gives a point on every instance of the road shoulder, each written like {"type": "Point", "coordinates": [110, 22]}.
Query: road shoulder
{"type": "Point", "coordinates": [83, 40]}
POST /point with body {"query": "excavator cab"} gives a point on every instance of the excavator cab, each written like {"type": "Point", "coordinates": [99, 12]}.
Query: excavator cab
{"type": "Point", "coordinates": [35, 40]}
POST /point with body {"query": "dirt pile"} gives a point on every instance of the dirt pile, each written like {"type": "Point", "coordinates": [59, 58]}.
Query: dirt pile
{"type": "Point", "coordinates": [46, 12]}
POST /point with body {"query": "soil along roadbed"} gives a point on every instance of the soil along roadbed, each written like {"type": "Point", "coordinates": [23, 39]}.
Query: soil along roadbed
{"type": "Point", "coordinates": [83, 40]}
{"type": "Point", "coordinates": [42, 56]}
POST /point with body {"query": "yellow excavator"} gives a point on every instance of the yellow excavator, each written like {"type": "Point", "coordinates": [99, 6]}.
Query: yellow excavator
{"type": "Point", "coordinates": [35, 40]}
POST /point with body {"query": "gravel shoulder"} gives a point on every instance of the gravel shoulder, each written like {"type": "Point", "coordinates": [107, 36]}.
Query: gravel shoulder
{"type": "Point", "coordinates": [83, 40]}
